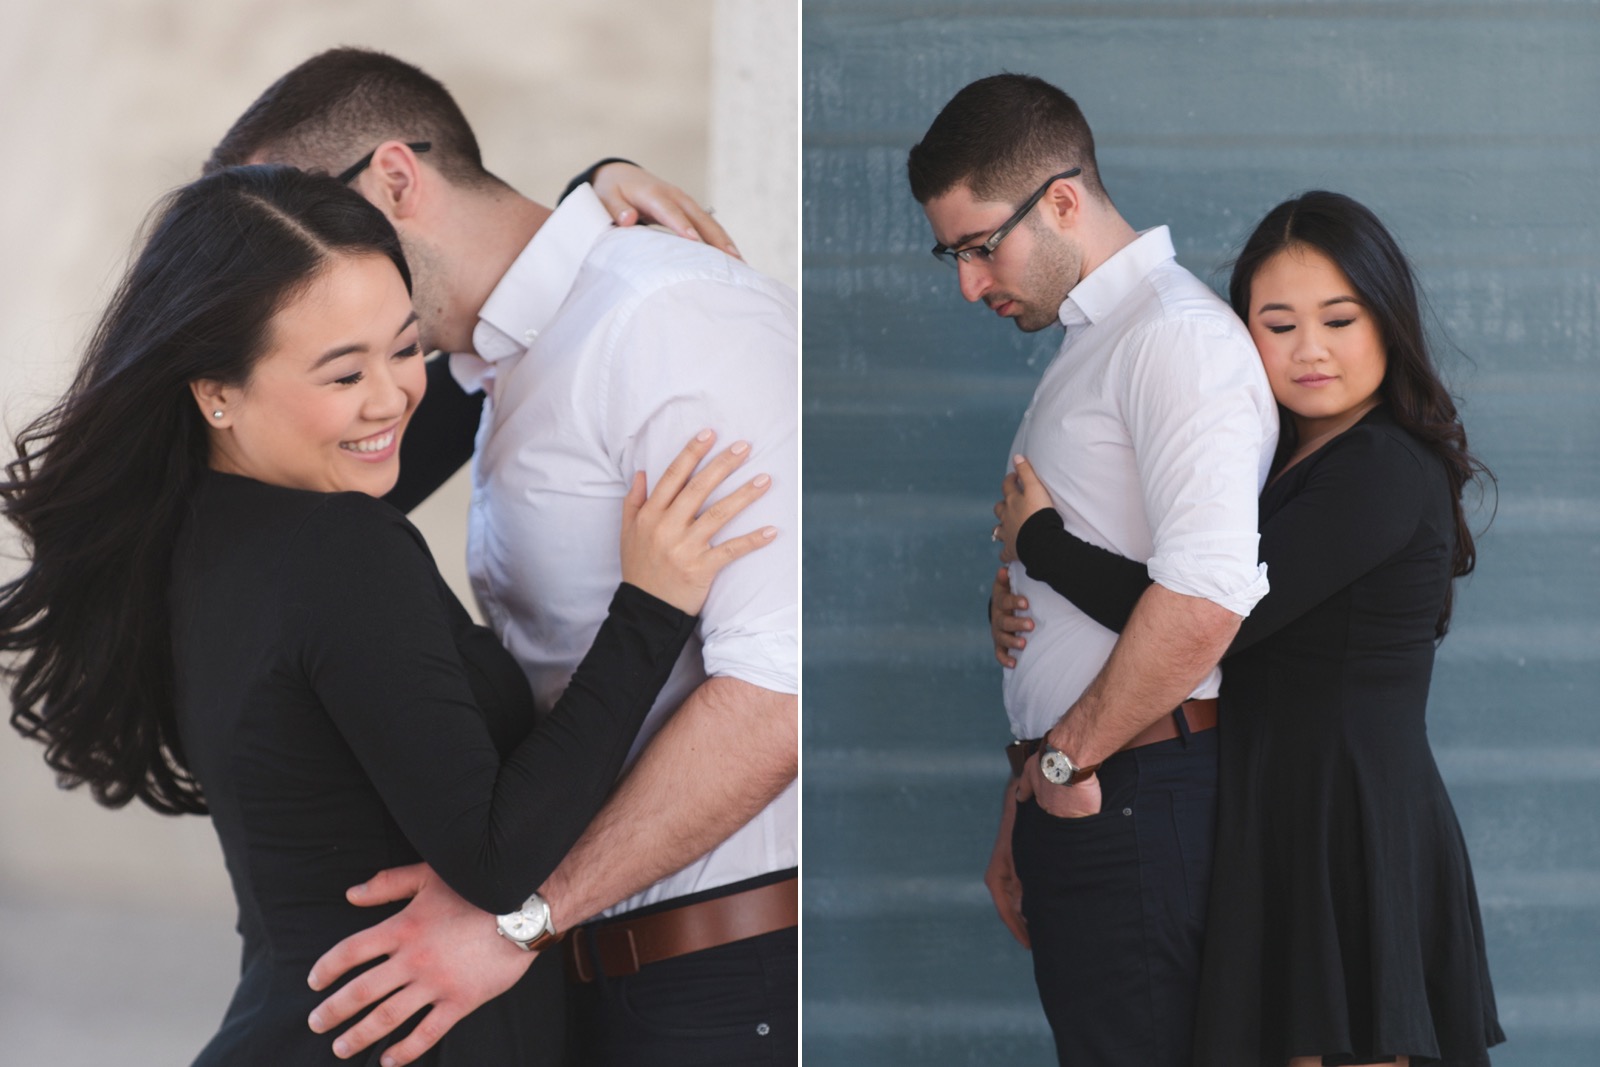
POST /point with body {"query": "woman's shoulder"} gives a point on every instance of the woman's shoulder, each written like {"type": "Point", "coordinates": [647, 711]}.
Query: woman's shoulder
{"type": "Point", "coordinates": [1380, 440]}
{"type": "Point", "coordinates": [315, 527]}
{"type": "Point", "coordinates": [1384, 461]}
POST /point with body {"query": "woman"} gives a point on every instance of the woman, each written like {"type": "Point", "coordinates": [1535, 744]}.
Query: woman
{"type": "Point", "coordinates": [1343, 927]}
{"type": "Point", "coordinates": [219, 615]}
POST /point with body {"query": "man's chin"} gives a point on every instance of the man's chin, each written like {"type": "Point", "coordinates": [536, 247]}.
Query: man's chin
{"type": "Point", "coordinates": [1029, 324]}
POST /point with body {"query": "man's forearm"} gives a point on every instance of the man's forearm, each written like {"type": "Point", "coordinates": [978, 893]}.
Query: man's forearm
{"type": "Point", "coordinates": [727, 751]}
{"type": "Point", "coordinates": [1169, 644]}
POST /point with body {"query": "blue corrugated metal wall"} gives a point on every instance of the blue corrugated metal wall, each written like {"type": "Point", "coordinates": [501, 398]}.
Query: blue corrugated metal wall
{"type": "Point", "coordinates": [1472, 129]}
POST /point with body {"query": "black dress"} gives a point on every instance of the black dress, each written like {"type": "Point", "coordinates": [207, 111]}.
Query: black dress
{"type": "Point", "coordinates": [343, 715]}
{"type": "Point", "coordinates": [1343, 919]}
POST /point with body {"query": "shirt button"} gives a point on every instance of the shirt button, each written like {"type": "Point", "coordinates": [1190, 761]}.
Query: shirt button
{"type": "Point", "coordinates": [1127, 811]}
{"type": "Point", "coordinates": [529, 336]}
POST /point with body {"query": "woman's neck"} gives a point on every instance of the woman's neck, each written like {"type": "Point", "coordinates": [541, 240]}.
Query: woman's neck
{"type": "Point", "coordinates": [1312, 434]}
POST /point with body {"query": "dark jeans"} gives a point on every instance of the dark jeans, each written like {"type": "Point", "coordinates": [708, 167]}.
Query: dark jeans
{"type": "Point", "coordinates": [1116, 903]}
{"type": "Point", "coordinates": [735, 1004]}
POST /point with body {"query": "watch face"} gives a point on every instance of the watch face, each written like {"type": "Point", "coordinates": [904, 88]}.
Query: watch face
{"type": "Point", "coordinates": [1056, 766]}
{"type": "Point", "coordinates": [521, 926]}
{"type": "Point", "coordinates": [527, 924]}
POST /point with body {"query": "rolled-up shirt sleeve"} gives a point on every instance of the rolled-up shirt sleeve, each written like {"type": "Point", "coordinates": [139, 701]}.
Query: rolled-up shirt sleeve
{"type": "Point", "coordinates": [1201, 418]}
{"type": "Point", "coordinates": [723, 355]}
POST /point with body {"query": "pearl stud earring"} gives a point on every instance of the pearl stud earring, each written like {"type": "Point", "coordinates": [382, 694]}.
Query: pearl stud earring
{"type": "Point", "coordinates": [216, 414]}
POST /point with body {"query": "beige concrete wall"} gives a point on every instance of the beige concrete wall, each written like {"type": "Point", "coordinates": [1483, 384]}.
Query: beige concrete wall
{"type": "Point", "coordinates": [108, 104]}
{"type": "Point", "coordinates": [754, 182]}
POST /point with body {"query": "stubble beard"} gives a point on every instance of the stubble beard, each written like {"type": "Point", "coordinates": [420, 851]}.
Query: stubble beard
{"type": "Point", "coordinates": [1053, 269]}
{"type": "Point", "coordinates": [428, 295]}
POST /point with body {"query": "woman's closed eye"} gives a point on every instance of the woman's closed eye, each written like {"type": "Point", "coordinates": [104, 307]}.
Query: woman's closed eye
{"type": "Point", "coordinates": [413, 349]}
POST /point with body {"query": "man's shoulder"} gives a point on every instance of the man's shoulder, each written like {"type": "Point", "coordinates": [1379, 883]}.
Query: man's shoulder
{"type": "Point", "coordinates": [1175, 296]}
{"type": "Point", "coordinates": [1174, 314]}
{"type": "Point", "coordinates": [647, 262]}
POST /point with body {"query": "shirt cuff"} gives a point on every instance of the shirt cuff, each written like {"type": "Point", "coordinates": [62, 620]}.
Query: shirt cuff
{"type": "Point", "coordinates": [767, 660]}
{"type": "Point", "coordinates": [1191, 576]}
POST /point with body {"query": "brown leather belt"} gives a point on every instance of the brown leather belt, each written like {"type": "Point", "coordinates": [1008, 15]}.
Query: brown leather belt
{"type": "Point", "coordinates": [622, 946]}
{"type": "Point", "coordinates": [1199, 714]}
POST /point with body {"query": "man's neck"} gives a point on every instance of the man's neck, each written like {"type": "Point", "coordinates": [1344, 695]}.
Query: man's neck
{"type": "Point", "coordinates": [1107, 233]}
{"type": "Point", "coordinates": [488, 232]}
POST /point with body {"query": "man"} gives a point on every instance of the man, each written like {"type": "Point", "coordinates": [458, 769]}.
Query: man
{"type": "Point", "coordinates": [1152, 429]}
{"type": "Point", "coordinates": [602, 351]}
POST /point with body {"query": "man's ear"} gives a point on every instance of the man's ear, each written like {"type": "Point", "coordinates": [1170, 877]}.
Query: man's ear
{"type": "Point", "coordinates": [1062, 206]}
{"type": "Point", "coordinates": [395, 181]}
{"type": "Point", "coordinates": [216, 401]}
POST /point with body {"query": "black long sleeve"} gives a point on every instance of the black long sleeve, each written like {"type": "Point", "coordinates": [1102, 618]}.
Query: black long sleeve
{"type": "Point", "coordinates": [439, 439]}
{"type": "Point", "coordinates": [1360, 501]}
{"type": "Point", "coordinates": [1103, 585]}
{"type": "Point", "coordinates": [374, 640]}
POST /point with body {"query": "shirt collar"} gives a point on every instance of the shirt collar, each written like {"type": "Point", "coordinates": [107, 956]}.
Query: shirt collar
{"type": "Point", "coordinates": [1097, 295]}
{"type": "Point", "coordinates": [539, 279]}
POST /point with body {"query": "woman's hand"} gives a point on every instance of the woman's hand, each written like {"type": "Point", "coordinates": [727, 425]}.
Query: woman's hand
{"type": "Point", "coordinates": [1006, 625]}
{"type": "Point", "coordinates": [1024, 495]}
{"type": "Point", "coordinates": [632, 194]}
{"type": "Point", "coordinates": [666, 538]}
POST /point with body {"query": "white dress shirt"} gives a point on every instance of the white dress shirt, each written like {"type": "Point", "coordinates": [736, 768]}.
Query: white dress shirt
{"type": "Point", "coordinates": [605, 350]}
{"type": "Point", "coordinates": [1153, 428]}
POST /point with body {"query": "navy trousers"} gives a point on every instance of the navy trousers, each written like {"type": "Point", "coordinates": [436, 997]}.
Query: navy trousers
{"type": "Point", "coordinates": [1116, 903]}
{"type": "Point", "coordinates": [737, 1004]}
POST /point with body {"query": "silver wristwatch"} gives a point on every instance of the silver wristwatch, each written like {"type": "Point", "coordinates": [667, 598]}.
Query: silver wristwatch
{"type": "Point", "coordinates": [1058, 768]}
{"type": "Point", "coordinates": [529, 928]}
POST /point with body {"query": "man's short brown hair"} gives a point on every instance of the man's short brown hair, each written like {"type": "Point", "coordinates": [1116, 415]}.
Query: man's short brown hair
{"type": "Point", "coordinates": [999, 137]}
{"type": "Point", "coordinates": [340, 104]}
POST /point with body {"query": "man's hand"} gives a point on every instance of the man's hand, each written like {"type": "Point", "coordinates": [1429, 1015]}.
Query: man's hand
{"type": "Point", "coordinates": [1006, 626]}
{"type": "Point", "coordinates": [632, 194]}
{"type": "Point", "coordinates": [444, 954]}
{"type": "Point", "coordinates": [1001, 877]}
{"type": "Point", "coordinates": [1062, 801]}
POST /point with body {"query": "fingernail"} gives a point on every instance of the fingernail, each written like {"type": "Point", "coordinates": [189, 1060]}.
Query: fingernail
{"type": "Point", "coordinates": [703, 435]}
{"type": "Point", "coordinates": [761, 481]}
{"type": "Point", "coordinates": [341, 1049]}
{"type": "Point", "coordinates": [311, 980]}
{"type": "Point", "coordinates": [740, 448]}
{"type": "Point", "coordinates": [1018, 458]}
{"type": "Point", "coordinates": [769, 532]}
{"type": "Point", "coordinates": [734, 252]}
{"type": "Point", "coordinates": [387, 1061]}
{"type": "Point", "coordinates": [1023, 604]}
{"type": "Point", "coordinates": [315, 1021]}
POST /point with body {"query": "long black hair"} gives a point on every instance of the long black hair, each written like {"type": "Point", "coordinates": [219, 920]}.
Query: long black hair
{"type": "Point", "coordinates": [101, 481]}
{"type": "Point", "coordinates": [1357, 243]}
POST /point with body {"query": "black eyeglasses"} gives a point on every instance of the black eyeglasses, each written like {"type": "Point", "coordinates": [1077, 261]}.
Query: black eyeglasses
{"type": "Point", "coordinates": [366, 161]}
{"type": "Point", "coordinates": [956, 256]}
